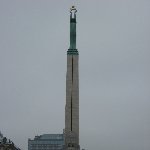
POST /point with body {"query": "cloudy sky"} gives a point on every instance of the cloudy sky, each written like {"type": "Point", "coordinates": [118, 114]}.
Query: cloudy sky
{"type": "Point", "coordinates": [113, 39]}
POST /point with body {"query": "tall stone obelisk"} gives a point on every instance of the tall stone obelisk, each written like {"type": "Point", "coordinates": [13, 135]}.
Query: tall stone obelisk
{"type": "Point", "coordinates": [72, 90]}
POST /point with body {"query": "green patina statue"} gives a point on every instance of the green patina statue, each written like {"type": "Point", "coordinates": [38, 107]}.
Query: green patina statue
{"type": "Point", "coordinates": [72, 49]}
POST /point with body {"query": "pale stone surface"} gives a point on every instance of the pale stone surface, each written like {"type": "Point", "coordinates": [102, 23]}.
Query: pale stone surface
{"type": "Point", "coordinates": [72, 102]}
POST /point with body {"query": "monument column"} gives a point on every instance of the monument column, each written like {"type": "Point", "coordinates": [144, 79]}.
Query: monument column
{"type": "Point", "coordinates": [72, 89]}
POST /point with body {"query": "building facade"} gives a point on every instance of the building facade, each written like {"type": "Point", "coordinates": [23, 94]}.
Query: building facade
{"type": "Point", "coordinates": [72, 90]}
{"type": "Point", "coordinates": [46, 142]}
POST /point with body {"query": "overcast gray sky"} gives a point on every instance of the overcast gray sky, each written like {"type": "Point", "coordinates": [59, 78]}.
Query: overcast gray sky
{"type": "Point", "coordinates": [113, 39]}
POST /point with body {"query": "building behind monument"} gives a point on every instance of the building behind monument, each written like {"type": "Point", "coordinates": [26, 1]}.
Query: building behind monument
{"type": "Point", "coordinates": [46, 142]}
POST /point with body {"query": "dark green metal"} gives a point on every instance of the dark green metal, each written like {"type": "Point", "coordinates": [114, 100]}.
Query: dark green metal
{"type": "Point", "coordinates": [72, 52]}
{"type": "Point", "coordinates": [72, 49]}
